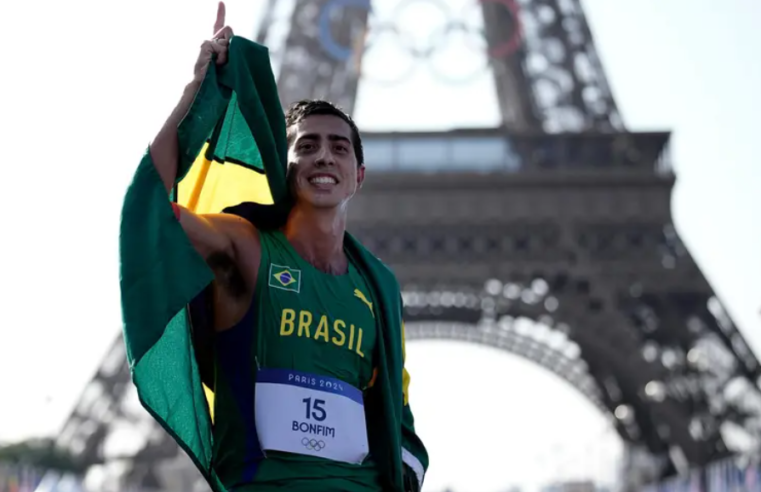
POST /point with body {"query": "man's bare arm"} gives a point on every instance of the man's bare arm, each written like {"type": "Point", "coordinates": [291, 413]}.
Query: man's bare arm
{"type": "Point", "coordinates": [212, 233]}
{"type": "Point", "coordinates": [230, 245]}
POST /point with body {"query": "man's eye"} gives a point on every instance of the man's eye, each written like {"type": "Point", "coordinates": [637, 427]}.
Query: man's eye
{"type": "Point", "coordinates": [342, 148]}
{"type": "Point", "coordinates": [306, 146]}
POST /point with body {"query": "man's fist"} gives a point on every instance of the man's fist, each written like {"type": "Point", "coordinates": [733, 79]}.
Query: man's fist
{"type": "Point", "coordinates": [217, 45]}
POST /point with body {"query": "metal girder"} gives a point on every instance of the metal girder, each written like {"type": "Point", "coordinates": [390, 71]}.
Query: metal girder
{"type": "Point", "coordinates": [549, 79]}
{"type": "Point", "coordinates": [533, 342]}
{"type": "Point", "coordinates": [110, 432]}
{"type": "Point", "coordinates": [656, 401]}
{"type": "Point", "coordinates": [555, 81]}
{"type": "Point", "coordinates": [611, 273]}
{"type": "Point", "coordinates": [307, 71]}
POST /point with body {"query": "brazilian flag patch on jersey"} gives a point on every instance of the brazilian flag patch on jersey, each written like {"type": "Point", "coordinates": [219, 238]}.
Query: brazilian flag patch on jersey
{"type": "Point", "coordinates": [285, 278]}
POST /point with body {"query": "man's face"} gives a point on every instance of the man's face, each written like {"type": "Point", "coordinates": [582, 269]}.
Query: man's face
{"type": "Point", "coordinates": [321, 161]}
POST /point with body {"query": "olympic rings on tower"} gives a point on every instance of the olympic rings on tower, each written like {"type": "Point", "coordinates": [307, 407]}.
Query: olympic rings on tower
{"type": "Point", "coordinates": [409, 42]}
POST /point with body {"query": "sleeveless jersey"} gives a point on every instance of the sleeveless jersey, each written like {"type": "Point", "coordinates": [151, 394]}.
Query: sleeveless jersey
{"type": "Point", "coordinates": [301, 319]}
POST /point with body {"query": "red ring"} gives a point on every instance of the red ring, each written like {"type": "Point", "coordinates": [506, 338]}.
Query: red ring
{"type": "Point", "coordinates": [511, 45]}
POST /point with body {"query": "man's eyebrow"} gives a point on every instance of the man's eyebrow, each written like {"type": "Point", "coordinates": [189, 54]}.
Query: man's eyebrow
{"type": "Point", "coordinates": [333, 137]}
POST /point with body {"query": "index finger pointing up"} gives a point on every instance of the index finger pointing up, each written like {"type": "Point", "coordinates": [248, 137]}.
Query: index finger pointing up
{"type": "Point", "coordinates": [220, 23]}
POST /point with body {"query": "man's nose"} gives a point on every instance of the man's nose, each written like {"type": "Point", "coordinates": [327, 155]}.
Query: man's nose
{"type": "Point", "coordinates": [325, 157]}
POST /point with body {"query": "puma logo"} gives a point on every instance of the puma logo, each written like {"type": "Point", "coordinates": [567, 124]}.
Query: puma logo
{"type": "Point", "coordinates": [359, 295]}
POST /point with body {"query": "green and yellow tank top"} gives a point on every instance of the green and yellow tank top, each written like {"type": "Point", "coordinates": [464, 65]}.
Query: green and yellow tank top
{"type": "Point", "coordinates": [301, 321]}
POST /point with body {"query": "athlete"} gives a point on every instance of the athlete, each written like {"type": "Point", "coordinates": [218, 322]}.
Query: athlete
{"type": "Point", "coordinates": [325, 335]}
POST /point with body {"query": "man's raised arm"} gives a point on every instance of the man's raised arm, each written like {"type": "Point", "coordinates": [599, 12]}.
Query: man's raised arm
{"type": "Point", "coordinates": [209, 234]}
{"type": "Point", "coordinates": [165, 150]}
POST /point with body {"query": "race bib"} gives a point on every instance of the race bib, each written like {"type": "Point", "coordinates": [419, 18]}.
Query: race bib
{"type": "Point", "coordinates": [303, 413]}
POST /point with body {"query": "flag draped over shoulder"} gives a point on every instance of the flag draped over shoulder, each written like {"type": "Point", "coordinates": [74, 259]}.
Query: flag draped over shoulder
{"type": "Point", "coordinates": [233, 158]}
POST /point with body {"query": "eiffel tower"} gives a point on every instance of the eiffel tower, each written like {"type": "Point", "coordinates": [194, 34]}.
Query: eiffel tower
{"type": "Point", "coordinates": [573, 232]}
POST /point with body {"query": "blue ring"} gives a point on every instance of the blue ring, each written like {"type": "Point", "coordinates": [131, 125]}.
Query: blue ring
{"type": "Point", "coordinates": [329, 44]}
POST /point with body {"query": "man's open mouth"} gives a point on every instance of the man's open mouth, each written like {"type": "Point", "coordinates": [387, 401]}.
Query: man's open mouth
{"type": "Point", "coordinates": [323, 179]}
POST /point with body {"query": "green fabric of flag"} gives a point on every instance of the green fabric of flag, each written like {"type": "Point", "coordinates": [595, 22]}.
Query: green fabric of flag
{"type": "Point", "coordinates": [235, 125]}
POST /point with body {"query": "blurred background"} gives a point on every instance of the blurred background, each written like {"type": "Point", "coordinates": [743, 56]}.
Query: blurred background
{"type": "Point", "coordinates": [567, 191]}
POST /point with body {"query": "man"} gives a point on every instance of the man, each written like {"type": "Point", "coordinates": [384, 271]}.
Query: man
{"type": "Point", "coordinates": [295, 323]}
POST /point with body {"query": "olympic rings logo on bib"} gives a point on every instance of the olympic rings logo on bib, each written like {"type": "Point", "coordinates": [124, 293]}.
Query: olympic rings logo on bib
{"type": "Point", "coordinates": [313, 444]}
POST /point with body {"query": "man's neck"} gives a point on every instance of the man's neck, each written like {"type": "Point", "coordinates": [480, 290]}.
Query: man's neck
{"type": "Point", "coordinates": [318, 236]}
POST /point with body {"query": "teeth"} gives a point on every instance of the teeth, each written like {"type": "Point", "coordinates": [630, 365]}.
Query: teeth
{"type": "Point", "coordinates": [323, 180]}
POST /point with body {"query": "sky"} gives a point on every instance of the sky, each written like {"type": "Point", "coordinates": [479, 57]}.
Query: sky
{"type": "Point", "coordinates": [101, 77]}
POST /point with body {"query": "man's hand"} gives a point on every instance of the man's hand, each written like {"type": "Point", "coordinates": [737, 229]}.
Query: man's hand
{"type": "Point", "coordinates": [217, 45]}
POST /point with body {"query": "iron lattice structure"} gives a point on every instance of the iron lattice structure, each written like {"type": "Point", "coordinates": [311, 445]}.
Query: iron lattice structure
{"type": "Point", "coordinates": [550, 237]}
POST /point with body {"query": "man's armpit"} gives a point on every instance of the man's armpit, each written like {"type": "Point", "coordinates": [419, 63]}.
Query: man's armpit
{"type": "Point", "coordinates": [228, 275]}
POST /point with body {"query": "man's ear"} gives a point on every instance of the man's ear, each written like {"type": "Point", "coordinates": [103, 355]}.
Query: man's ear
{"type": "Point", "coordinates": [360, 176]}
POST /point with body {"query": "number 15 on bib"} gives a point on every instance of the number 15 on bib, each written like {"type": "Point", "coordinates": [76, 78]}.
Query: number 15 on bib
{"type": "Point", "coordinates": [303, 413]}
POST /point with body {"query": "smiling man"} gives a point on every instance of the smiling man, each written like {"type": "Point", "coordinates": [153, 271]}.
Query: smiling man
{"type": "Point", "coordinates": [296, 332]}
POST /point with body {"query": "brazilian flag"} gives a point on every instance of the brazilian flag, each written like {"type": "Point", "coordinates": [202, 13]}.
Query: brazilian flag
{"type": "Point", "coordinates": [233, 153]}
{"type": "Point", "coordinates": [233, 128]}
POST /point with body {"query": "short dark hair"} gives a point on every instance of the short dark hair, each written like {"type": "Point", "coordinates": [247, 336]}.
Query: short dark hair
{"type": "Point", "coordinates": [308, 107]}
